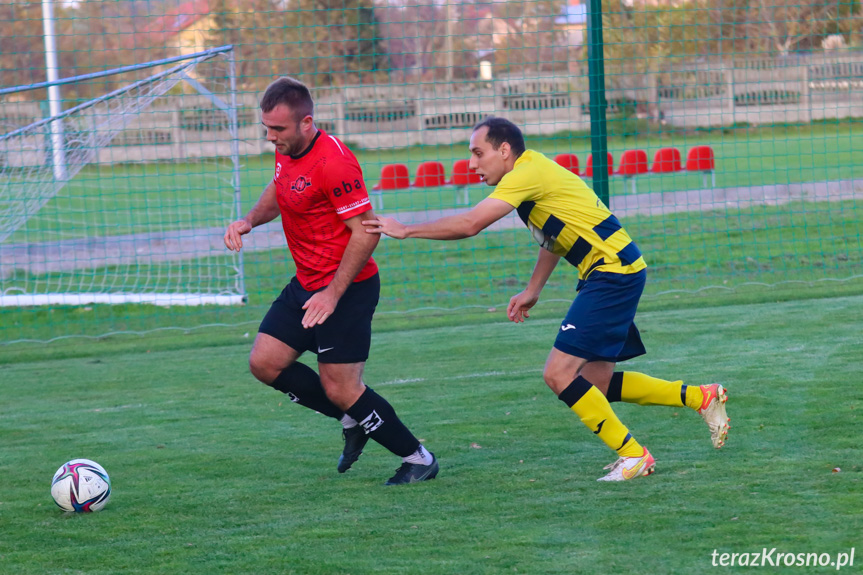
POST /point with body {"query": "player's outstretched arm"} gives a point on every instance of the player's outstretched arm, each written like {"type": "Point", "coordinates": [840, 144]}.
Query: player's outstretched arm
{"type": "Point", "coordinates": [520, 303]}
{"type": "Point", "coordinates": [456, 227]}
{"type": "Point", "coordinates": [265, 210]}
{"type": "Point", "coordinates": [386, 226]}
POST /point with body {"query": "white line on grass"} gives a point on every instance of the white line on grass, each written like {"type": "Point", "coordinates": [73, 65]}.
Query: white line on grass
{"type": "Point", "coordinates": [462, 376]}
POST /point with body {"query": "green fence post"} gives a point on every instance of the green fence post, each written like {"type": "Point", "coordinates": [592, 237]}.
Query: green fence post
{"type": "Point", "coordinates": [596, 88]}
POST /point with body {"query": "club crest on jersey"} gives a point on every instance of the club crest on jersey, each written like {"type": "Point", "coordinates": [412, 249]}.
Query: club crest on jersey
{"type": "Point", "coordinates": [278, 170]}
{"type": "Point", "coordinates": [300, 184]}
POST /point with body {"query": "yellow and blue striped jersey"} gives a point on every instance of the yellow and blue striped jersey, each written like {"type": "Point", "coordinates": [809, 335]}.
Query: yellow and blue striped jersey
{"type": "Point", "coordinates": [567, 218]}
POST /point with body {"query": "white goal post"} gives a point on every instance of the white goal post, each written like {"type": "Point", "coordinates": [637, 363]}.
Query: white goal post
{"type": "Point", "coordinates": [131, 208]}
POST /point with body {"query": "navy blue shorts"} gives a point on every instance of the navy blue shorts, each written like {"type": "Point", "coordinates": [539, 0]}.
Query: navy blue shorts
{"type": "Point", "coordinates": [345, 336]}
{"type": "Point", "coordinates": [600, 323]}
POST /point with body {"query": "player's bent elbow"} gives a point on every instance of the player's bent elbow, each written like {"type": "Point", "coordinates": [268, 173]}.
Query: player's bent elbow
{"type": "Point", "coordinates": [474, 230]}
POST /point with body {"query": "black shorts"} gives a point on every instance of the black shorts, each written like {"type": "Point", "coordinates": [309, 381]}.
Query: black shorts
{"type": "Point", "coordinates": [345, 336]}
{"type": "Point", "coordinates": [600, 324]}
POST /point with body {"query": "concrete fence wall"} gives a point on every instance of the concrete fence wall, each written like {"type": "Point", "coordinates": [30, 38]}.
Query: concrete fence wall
{"type": "Point", "coordinates": [385, 117]}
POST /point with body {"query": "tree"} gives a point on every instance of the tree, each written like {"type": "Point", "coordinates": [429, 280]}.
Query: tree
{"type": "Point", "coordinates": [784, 26]}
{"type": "Point", "coordinates": [415, 40]}
{"type": "Point", "coordinates": [532, 42]}
{"type": "Point", "coordinates": [22, 54]}
{"type": "Point", "coordinates": [324, 41]}
{"type": "Point", "coordinates": [246, 25]}
{"type": "Point", "coordinates": [101, 26]}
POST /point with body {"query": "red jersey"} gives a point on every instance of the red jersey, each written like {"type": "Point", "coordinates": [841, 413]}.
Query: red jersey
{"type": "Point", "coordinates": [317, 191]}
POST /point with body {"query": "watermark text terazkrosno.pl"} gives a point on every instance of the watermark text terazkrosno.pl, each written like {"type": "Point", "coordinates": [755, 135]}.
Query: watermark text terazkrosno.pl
{"type": "Point", "coordinates": [772, 557]}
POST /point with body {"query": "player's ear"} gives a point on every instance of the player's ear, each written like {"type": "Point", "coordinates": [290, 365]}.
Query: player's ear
{"type": "Point", "coordinates": [505, 150]}
{"type": "Point", "coordinates": [306, 123]}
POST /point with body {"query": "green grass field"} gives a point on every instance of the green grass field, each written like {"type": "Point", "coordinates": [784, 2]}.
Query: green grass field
{"type": "Point", "coordinates": [731, 255]}
{"type": "Point", "coordinates": [696, 259]}
{"type": "Point", "coordinates": [126, 195]}
{"type": "Point", "coordinates": [215, 473]}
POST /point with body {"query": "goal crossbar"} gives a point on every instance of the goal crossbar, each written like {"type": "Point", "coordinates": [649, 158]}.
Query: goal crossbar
{"type": "Point", "coordinates": [115, 71]}
{"type": "Point", "coordinates": [121, 91]}
{"type": "Point", "coordinates": [28, 184]}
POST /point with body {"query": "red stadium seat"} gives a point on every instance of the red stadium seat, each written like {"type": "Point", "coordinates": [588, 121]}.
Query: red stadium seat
{"type": "Point", "coordinates": [462, 175]}
{"type": "Point", "coordinates": [588, 169]}
{"type": "Point", "coordinates": [568, 161]}
{"type": "Point", "coordinates": [700, 159]}
{"type": "Point", "coordinates": [633, 163]}
{"type": "Point", "coordinates": [430, 175]}
{"type": "Point", "coordinates": [666, 161]}
{"type": "Point", "coordinates": [393, 177]}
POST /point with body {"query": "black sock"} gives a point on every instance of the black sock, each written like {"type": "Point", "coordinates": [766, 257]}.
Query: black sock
{"type": "Point", "coordinates": [303, 385]}
{"type": "Point", "coordinates": [615, 387]}
{"type": "Point", "coordinates": [381, 423]}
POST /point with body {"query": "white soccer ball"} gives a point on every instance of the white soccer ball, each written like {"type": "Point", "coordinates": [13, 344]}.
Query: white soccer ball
{"type": "Point", "coordinates": [81, 486]}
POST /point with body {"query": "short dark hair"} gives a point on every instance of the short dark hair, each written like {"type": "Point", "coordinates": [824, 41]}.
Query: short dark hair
{"type": "Point", "coordinates": [291, 93]}
{"type": "Point", "coordinates": [501, 130]}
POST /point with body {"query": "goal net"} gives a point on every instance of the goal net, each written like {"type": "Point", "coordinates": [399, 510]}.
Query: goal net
{"type": "Point", "coordinates": [123, 197]}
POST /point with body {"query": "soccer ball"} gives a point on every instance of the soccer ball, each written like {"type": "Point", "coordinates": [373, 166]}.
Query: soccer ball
{"type": "Point", "coordinates": [81, 486]}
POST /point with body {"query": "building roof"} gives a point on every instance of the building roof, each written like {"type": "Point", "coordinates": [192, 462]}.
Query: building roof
{"type": "Point", "coordinates": [169, 24]}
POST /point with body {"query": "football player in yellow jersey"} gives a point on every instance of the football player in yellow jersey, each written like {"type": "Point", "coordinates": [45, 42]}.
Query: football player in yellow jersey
{"type": "Point", "coordinates": [569, 221]}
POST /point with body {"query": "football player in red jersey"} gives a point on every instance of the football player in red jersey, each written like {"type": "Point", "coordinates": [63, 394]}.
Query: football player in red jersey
{"type": "Point", "coordinates": [327, 308]}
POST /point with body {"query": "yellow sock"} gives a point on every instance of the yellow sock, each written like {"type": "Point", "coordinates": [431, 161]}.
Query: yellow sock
{"type": "Point", "coordinates": [634, 387]}
{"type": "Point", "coordinates": [595, 412]}
{"type": "Point", "coordinates": [694, 397]}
